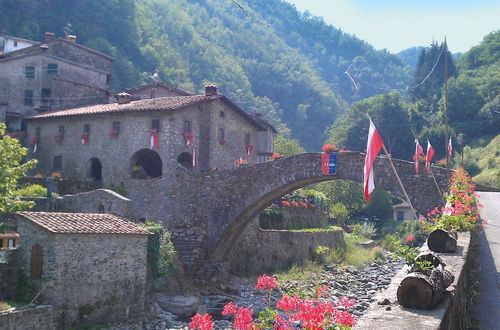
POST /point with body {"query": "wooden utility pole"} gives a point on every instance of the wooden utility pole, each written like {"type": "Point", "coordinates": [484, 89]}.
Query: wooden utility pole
{"type": "Point", "coordinates": [447, 132]}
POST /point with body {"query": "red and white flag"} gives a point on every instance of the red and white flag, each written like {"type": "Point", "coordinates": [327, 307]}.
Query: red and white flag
{"type": "Point", "coordinates": [194, 158]}
{"type": "Point", "coordinates": [153, 141]}
{"type": "Point", "coordinates": [418, 151]}
{"type": "Point", "coordinates": [450, 149]}
{"type": "Point", "coordinates": [373, 147]}
{"type": "Point", "coordinates": [428, 156]}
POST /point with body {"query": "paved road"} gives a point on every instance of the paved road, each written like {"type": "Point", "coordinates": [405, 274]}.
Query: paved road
{"type": "Point", "coordinates": [488, 311]}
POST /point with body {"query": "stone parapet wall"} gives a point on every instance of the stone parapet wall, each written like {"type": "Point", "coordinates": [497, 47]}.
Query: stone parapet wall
{"type": "Point", "coordinates": [259, 251]}
{"type": "Point", "coordinates": [39, 317]}
{"type": "Point", "coordinates": [450, 314]}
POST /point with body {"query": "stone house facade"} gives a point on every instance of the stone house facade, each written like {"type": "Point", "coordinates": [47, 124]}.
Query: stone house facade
{"type": "Point", "coordinates": [53, 75]}
{"type": "Point", "coordinates": [93, 265]}
{"type": "Point", "coordinates": [148, 138]}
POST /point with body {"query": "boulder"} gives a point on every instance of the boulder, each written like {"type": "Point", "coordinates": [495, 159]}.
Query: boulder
{"type": "Point", "coordinates": [181, 306]}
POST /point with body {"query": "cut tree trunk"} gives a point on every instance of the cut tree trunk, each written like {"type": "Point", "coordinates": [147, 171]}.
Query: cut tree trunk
{"type": "Point", "coordinates": [426, 256]}
{"type": "Point", "coordinates": [442, 241]}
{"type": "Point", "coordinates": [418, 290]}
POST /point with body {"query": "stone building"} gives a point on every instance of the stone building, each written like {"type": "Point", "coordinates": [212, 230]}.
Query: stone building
{"type": "Point", "coordinates": [148, 138]}
{"type": "Point", "coordinates": [10, 44]}
{"type": "Point", "coordinates": [56, 74]}
{"type": "Point", "coordinates": [92, 265]}
{"type": "Point", "coordinates": [402, 211]}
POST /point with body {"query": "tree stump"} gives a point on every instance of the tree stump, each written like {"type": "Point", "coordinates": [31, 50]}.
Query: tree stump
{"type": "Point", "coordinates": [442, 241]}
{"type": "Point", "coordinates": [419, 290]}
{"type": "Point", "coordinates": [426, 256]}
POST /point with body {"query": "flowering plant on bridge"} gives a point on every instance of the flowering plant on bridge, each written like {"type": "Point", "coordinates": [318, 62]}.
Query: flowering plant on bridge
{"type": "Point", "coordinates": [329, 148]}
{"type": "Point", "coordinates": [241, 162]}
{"type": "Point", "coordinates": [421, 158]}
{"type": "Point", "coordinates": [114, 132]}
{"type": "Point", "coordinates": [276, 156]}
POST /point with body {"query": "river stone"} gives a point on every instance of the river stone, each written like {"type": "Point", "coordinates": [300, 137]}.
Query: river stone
{"type": "Point", "coordinates": [182, 306]}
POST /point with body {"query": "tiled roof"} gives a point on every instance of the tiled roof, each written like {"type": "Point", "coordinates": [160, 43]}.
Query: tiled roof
{"type": "Point", "coordinates": [83, 223]}
{"type": "Point", "coordinates": [158, 104]}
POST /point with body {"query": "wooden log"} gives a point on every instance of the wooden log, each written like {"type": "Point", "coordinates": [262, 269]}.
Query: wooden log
{"type": "Point", "coordinates": [442, 241]}
{"type": "Point", "coordinates": [426, 256]}
{"type": "Point", "coordinates": [422, 291]}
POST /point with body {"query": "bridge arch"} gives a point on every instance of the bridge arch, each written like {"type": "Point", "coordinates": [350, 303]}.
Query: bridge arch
{"type": "Point", "coordinates": [264, 183]}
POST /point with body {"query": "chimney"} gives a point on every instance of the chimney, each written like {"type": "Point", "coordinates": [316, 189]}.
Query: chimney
{"type": "Point", "coordinates": [210, 90]}
{"type": "Point", "coordinates": [49, 37]}
{"type": "Point", "coordinates": [71, 38]}
{"type": "Point", "coordinates": [123, 98]}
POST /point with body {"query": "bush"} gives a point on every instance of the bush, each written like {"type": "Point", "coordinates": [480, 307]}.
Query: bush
{"type": "Point", "coordinates": [118, 188]}
{"type": "Point", "coordinates": [390, 242]}
{"type": "Point", "coordinates": [160, 250]}
{"type": "Point", "coordinates": [367, 230]}
{"type": "Point", "coordinates": [33, 190]}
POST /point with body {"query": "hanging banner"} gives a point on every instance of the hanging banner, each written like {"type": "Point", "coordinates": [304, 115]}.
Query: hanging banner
{"type": "Point", "coordinates": [328, 163]}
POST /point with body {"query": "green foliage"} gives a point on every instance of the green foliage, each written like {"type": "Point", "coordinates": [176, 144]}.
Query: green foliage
{"type": "Point", "coordinates": [11, 170]}
{"type": "Point", "coordinates": [408, 254]}
{"type": "Point", "coordinates": [118, 188]}
{"type": "Point", "coordinates": [160, 250]}
{"type": "Point", "coordinates": [26, 290]}
{"type": "Point", "coordinates": [367, 230]}
{"type": "Point", "coordinates": [33, 190]}
{"type": "Point", "coordinates": [390, 242]}
{"type": "Point", "coordinates": [287, 147]}
{"type": "Point", "coordinates": [340, 212]}
{"type": "Point", "coordinates": [425, 266]}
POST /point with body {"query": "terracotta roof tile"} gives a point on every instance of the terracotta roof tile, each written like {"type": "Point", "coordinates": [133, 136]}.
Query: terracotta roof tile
{"type": "Point", "coordinates": [158, 104]}
{"type": "Point", "coordinates": [83, 223]}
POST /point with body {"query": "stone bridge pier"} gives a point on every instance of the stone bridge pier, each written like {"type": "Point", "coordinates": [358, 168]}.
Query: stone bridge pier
{"type": "Point", "coordinates": [206, 212]}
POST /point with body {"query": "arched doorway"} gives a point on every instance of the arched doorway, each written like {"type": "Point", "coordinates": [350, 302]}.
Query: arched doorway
{"type": "Point", "coordinates": [95, 169]}
{"type": "Point", "coordinates": [36, 262]}
{"type": "Point", "coordinates": [146, 163]}
{"type": "Point", "coordinates": [186, 160]}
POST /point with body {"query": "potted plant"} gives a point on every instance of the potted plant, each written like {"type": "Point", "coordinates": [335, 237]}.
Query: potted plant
{"type": "Point", "coordinates": [276, 156]}
{"type": "Point", "coordinates": [329, 148]}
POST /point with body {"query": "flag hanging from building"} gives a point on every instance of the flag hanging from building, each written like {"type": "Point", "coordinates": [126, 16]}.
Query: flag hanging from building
{"type": "Point", "coordinates": [194, 157]}
{"type": "Point", "coordinates": [153, 141]}
{"type": "Point", "coordinates": [373, 147]}
{"type": "Point", "coordinates": [450, 149]}
{"type": "Point", "coordinates": [428, 156]}
{"type": "Point", "coordinates": [418, 151]}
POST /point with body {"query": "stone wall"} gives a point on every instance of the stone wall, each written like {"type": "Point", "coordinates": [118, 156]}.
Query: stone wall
{"type": "Point", "coordinates": [98, 278]}
{"type": "Point", "coordinates": [96, 201]}
{"type": "Point", "coordinates": [8, 273]}
{"type": "Point", "coordinates": [44, 317]}
{"type": "Point", "coordinates": [262, 251]}
{"type": "Point", "coordinates": [296, 218]}
{"type": "Point", "coordinates": [64, 186]}
{"type": "Point", "coordinates": [450, 314]}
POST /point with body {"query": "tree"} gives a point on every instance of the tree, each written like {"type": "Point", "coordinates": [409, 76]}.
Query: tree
{"type": "Point", "coordinates": [287, 147]}
{"type": "Point", "coordinates": [11, 170]}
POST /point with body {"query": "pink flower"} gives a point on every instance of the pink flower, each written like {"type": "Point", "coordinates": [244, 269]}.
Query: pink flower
{"type": "Point", "coordinates": [229, 308]}
{"type": "Point", "coordinates": [201, 322]}
{"type": "Point", "coordinates": [243, 319]}
{"type": "Point", "coordinates": [287, 303]}
{"type": "Point", "coordinates": [410, 238]}
{"type": "Point", "coordinates": [265, 282]}
{"type": "Point", "coordinates": [346, 302]}
{"type": "Point", "coordinates": [320, 290]}
{"type": "Point", "coordinates": [345, 319]}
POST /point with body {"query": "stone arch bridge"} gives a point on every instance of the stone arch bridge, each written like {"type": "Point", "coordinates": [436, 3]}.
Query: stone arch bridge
{"type": "Point", "coordinates": [206, 212]}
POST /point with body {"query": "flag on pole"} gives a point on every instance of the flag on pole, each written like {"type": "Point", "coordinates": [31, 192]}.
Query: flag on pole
{"type": "Point", "coordinates": [194, 158]}
{"type": "Point", "coordinates": [373, 147]}
{"type": "Point", "coordinates": [450, 149]}
{"type": "Point", "coordinates": [418, 151]}
{"type": "Point", "coordinates": [428, 156]}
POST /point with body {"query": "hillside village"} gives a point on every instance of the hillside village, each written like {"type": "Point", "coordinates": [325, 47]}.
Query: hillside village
{"type": "Point", "coordinates": [157, 202]}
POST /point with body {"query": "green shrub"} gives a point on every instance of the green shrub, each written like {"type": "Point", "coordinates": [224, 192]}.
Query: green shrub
{"type": "Point", "coordinates": [367, 230]}
{"type": "Point", "coordinates": [160, 250]}
{"type": "Point", "coordinates": [118, 188]}
{"type": "Point", "coordinates": [390, 242]}
{"type": "Point", "coordinates": [33, 190]}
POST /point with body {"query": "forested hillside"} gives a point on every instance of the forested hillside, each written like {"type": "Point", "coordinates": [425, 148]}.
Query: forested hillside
{"type": "Point", "coordinates": [473, 105]}
{"type": "Point", "coordinates": [265, 55]}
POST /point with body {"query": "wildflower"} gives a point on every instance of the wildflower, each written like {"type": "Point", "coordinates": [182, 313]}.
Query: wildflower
{"type": "Point", "coordinates": [201, 322]}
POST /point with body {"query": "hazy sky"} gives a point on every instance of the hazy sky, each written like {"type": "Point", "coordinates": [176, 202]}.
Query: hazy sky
{"type": "Point", "coordinates": [400, 24]}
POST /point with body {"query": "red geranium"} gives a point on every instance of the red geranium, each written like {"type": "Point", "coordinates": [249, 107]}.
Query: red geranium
{"type": "Point", "coordinates": [201, 322]}
{"type": "Point", "coordinates": [276, 156]}
{"type": "Point", "coordinates": [266, 282]}
{"type": "Point", "coordinates": [328, 148]}
{"type": "Point", "coordinates": [410, 238]}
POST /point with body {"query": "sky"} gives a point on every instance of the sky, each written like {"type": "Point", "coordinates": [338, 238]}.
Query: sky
{"type": "Point", "coordinates": [401, 24]}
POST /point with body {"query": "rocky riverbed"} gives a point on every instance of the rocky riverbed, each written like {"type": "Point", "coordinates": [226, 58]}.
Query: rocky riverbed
{"type": "Point", "coordinates": [172, 312]}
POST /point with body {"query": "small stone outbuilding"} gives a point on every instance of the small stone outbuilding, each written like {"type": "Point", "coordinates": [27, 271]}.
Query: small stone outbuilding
{"type": "Point", "coordinates": [93, 266]}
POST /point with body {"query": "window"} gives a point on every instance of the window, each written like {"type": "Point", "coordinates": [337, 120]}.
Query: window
{"type": "Point", "coordinates": [1, 243]}
{"type": "Point", "coordinates": [29, 72]}
{"type": "Point", "coordinates": [116, 126]}
{"type": "Point", "coordinates": [400, 215]}
{"type": "Point", "coordinates": [52, 68]}
{"type": "Point", "coordinates": [38, 131]}
{"type": "Point", "coordinates": [28, 97]}
{"type": "Point", "coordinates": [247, 140]}
{"type": "Point", "coordinates": [187, 126]}
{"type": "Point", "coordinates": [36, 262]}
{"type": "Point", "coordinates": [61, 130]}
{"type": "Point", "coordinates": [86, 128]}
{"type": "Point", "coordinates": [221, 136]}
{"type": "Point", "coordinates": [15, 43]}
{"type": "Point", "coordinates": [57, 163]}
{"type": "Point", "coordinates": [222, 114]}
{"type": "Point", "coordinates": [155, 124]}
{"type": "Point", "coordinates": [46, 94]}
